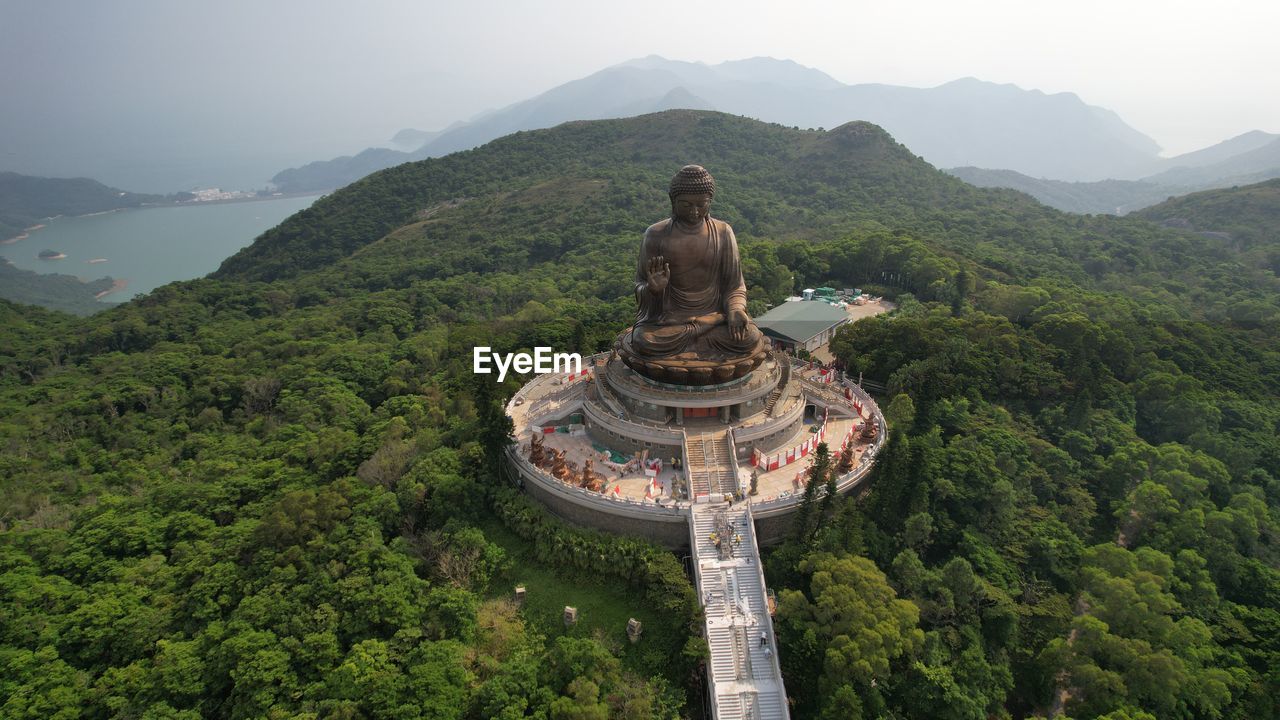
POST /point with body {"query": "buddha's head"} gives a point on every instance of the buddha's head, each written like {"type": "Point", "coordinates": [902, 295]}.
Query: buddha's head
{"type": "Point", "coordinates": [691, 191]}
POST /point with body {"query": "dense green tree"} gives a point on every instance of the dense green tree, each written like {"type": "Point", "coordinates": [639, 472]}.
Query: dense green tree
{"type": "Point", "coordinates": [856, 624]}
{"type": "Point", "coordinates": [1132, 649]}
{"type": "Point", "coordinates": [273, 491]}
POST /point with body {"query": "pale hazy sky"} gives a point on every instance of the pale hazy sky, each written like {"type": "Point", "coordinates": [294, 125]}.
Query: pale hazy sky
{"type": "Point", "coordinates": [214, 86]}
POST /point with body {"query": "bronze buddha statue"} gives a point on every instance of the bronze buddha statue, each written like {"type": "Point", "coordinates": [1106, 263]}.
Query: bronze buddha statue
{"type": "Point", "coordinates": [691, 326]}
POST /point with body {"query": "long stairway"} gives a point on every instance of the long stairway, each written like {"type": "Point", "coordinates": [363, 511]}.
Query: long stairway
{"type": "Point", "coordinates": [772, 402]}
{"type": "Point", "coordinates": [605, 393]}
{"type": "Point", "coordinates": [711, 466]}
{"type": "Point", "coordinates": [743, 673]}
{"type": "Point", "coordinates": [781, 390]}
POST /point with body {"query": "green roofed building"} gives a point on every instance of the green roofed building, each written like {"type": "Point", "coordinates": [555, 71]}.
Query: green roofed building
{"type": "Point", "coordinates": [802, 325]}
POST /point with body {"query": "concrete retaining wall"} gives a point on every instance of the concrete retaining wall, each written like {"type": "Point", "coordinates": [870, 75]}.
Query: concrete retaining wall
{"type": "Point", "coordinates": [773, 529]}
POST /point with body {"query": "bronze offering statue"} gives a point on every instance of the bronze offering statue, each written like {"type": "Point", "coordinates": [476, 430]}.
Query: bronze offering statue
{"type": "Point", "coordinates": [559, 469]}
{"type": "Point", "coordinates": [536, 455]}
{"type": "Point", "coordinates": [691, 326]}
{"type": "Point", "coordinates": [591, 480]}
{"type": "Point", "coordinates": [869, 431]}
{"type": "Point", "coordinates": [845, 463]}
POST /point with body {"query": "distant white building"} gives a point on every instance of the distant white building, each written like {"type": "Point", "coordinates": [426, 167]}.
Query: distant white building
{"type": "Point", "coordinates": [212, 194]}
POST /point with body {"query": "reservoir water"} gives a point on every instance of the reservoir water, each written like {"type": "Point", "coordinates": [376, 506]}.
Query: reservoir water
{"type": "Point", "coordinates": [150, 247]}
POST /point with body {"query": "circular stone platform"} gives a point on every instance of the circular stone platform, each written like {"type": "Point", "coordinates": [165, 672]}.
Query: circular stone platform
{"type": "Point", "coordinates": [708, 439]}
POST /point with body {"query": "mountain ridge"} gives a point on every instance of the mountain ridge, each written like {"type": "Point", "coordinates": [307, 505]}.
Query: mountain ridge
{"type": "Point", "coordinates": [589, 149]}
{"type": "Point", "coordinates": [1245, 216]}
{"type": "Point", "coordinates": [1243, 160]}
{"type": "Point", "coordinates": [1260, 162]}
{"type": "Point", "coordinates": [1111, 197]}
{"type": "Point", "coordinates": [962, 122]}
{"type": "Point", "coordinates": [520, 201]}
{"type": "Point", "coordinates": [27, 199]}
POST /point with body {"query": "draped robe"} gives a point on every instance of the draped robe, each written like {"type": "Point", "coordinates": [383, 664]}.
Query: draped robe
{"type": "Point", "coordinates": [689, 318]}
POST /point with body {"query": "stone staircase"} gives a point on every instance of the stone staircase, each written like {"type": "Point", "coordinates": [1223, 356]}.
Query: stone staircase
{"type": "Point", "coordinates": [605, 393]}
{"type": "Point", "coordinates": [771, 402]}
{"type": "Point", "coordinates": [744, 678]}
{"type": "Point", "coordinates": [712, 470]}
{"type": "Point", "coordinates": [779, 391]}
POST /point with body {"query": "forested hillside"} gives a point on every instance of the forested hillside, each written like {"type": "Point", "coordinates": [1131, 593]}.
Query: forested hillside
{"type": "Point", "coordinates": [26, 200]}
{"type": "Point", "coordinates": [1247, 218]}
{"type": "Point", "coordinates": [67, 293]}
{"type": "Point", "coordinates": [272, 493]}
{"type": "Point", "coordinates": [1115, 197]}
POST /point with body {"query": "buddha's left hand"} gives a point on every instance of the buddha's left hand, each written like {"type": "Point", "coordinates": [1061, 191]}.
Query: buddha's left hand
{"type": "Point", "coordinates": [738, 324]}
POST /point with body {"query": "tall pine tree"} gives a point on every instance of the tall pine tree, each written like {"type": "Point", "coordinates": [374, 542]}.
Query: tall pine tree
{"type": "Point", "coordinates": [819, 470]}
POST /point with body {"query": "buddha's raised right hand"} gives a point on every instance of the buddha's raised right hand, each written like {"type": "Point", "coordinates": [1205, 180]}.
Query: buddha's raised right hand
{"type": "Point", "coordinates": [658, 274]}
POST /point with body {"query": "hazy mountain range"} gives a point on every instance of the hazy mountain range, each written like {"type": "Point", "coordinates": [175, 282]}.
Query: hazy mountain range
{"type": "Point", "coordinates": [966, 122]}
{"type": "Point", "coordinates": [1249, 158]}
{"type": "Point", "coordinates": [1064, 152]}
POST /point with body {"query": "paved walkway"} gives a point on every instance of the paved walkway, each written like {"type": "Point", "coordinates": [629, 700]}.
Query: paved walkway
{"type": "Point", "coordinates": [782, 482]}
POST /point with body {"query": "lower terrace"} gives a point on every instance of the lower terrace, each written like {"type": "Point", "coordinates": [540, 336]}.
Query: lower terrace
{"type": "Point", "coordinates": [550, 400]}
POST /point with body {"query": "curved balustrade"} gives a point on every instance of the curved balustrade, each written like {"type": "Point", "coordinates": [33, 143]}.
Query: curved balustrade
{"type": "Point", "coordinates": [684, 464]}
{"type": "Point", "coordinates": [607, 397]}
{"type": "Point", "coordinates": [785, 368]}
{"type": "Point", "coordinates": [581, 496]}
{"type": "Point", "coordinates": [632, 429]}
{"type": "Point", "coordinates": [540, 381]}
{"type": "Point", "coordinates": [543, 401]}
{"type": "Point", "coordinates": [733, 463]}
{"type": "Point", "coordinates": [773, 505]}
{"type": "Point", "coordinates": [846, 482]}
{"type": "Point", "coordinates": [564, 398]}
{"type": "Point", "coordinates": [547, 409]}
{"type": "Point", "coordinates": [820, 394]}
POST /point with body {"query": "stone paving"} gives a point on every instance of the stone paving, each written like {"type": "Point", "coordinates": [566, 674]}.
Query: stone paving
{"type": "Point", "coordinates": [578, 448]}
{"type": "Point", "coordinates": [558, 398]}
{"type": "Point", "coordinates": [775, 483]}
{"type": "Point", "coordinates": [745, 680]}
{"type": "Point", "coordinates": [634, 484]}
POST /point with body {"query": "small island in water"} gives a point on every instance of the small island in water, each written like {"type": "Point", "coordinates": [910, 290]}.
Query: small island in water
{"type": "Point", "coordinates": [52, 255]}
